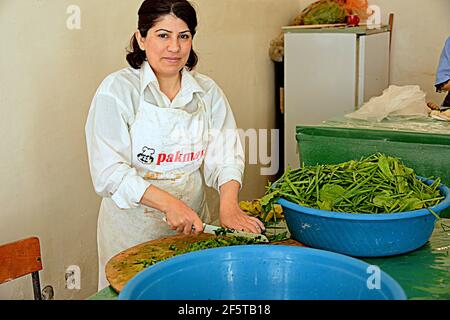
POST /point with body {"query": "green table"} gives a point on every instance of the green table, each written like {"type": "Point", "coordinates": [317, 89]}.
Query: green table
{"type": "Point", "coordinates": [423, 144]}
{"type": "Point", "coordinates": [423, 274]}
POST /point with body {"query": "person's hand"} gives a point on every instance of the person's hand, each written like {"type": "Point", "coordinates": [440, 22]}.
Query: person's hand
{"type": "Point", "coordinates": [232, 217]}
{"type": "Point", "coordinates": [182, 218]}
{"type": "Point", "coordinates": [179, 216]}
{"type": "Point", "coordinates": [433, 106]}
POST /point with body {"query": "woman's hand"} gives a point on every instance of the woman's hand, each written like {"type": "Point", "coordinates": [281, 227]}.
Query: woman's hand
{"type": "Point", "coordinates": [231, 216]}
{"type": "Point", "coordinates": [182, 218]}
{"type": "Point", "coordinates": [433, 106]}
{"type": "Point", "coordinates": [179, 216]}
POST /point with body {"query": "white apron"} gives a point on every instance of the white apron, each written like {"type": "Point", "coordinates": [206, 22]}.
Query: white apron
{"type": "Point", "coordinates": [168, 148]}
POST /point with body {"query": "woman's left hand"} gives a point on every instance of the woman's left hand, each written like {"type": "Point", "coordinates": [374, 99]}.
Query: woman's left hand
{"type": "Point", "coordinates": [232, 217]}
{"type": "Point", "coordinates": [433, 106]}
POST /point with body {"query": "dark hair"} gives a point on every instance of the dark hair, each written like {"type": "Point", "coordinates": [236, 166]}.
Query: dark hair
{"type": "Point", "coordinates": [149, 12]}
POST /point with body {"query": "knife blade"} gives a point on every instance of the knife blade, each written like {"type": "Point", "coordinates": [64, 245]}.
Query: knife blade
{"type": "Point", "coordinates": [208, 228]}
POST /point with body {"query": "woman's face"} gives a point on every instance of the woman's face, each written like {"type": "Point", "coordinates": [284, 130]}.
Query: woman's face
{"type": "Point", "coordinates": [167, 45]}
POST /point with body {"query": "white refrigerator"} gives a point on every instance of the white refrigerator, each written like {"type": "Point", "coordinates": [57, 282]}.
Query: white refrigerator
{"type": "Point", "coordinates": [329, 73]}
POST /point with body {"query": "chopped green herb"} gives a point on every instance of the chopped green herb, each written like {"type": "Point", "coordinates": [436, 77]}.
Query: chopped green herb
{"type": "Point", "coordinates": [219, 241]}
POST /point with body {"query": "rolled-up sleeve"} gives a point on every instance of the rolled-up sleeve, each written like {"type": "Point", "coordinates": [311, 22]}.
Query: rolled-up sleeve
{"type": "Point", "coordinates": [109, 151]}
{"type": "Point", "coordinates": [443, 71]}
{"type": "Point", "coordinates": [224, 158]}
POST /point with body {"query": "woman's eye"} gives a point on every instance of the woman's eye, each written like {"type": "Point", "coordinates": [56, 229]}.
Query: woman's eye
{"type": "Point", "coordinates": [184, 36]}
{"type": "Point", "coordinates": [163, 35]}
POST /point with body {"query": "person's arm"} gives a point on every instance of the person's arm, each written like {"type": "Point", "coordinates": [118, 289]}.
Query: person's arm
{"type": "Point", "coordinates": [443, 71]}
{"type": "Point", "coordinates": [179, 216]}
{"type": "Point", "coordinates": [224, 165]}
{"type": "Point", "coordinates": [446, 86]}
{"type": "Point", "coordinates": [109, 150]}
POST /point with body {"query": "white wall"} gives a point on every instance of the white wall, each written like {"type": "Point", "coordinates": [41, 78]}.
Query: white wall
{"type": "Point", "coordinates": [48, 77]}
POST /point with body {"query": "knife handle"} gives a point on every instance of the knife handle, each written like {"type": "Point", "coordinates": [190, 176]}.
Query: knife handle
{"type": "Point", "coordinates": [193, 228]}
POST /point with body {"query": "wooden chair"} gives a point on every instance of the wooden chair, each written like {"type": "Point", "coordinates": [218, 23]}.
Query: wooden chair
{"type": "Point", "coordinates": [21, 258]}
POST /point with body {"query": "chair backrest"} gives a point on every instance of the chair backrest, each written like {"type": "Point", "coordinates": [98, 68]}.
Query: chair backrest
{"type": "Point", "coordinates": [21, 258]}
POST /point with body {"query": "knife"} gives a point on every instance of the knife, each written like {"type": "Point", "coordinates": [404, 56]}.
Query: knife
{"type": "Point", "coordinates": [208, 228]}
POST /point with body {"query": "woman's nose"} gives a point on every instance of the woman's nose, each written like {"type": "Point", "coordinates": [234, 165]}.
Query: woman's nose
{"type": "Point", "coordinates": [174, 45]}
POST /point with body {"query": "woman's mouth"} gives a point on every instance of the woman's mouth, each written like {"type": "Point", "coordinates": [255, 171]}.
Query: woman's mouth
{"type": "Point", "coordinates": [172, 60]}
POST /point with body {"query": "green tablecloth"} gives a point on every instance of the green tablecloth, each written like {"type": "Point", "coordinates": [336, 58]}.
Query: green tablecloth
{"type": "Point", "coordinates": [419, 125]}
{"type": "Point", "coordinates": [423, 273]}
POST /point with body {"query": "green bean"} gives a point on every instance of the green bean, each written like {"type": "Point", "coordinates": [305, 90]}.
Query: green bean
{"type": "Point", "coordinates": [362, 180]}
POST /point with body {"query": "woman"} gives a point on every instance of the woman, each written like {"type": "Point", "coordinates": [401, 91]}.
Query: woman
{"type": "Point", "coordinates": [150, 128]}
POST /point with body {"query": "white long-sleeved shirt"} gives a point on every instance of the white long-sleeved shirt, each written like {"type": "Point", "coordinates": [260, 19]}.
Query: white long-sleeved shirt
{"type": "Point", "coordinates": [113, 112]}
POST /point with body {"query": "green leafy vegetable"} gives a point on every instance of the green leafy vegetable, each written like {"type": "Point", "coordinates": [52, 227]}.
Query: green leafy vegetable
{"type": "Point", "coordinates": [374, 184]}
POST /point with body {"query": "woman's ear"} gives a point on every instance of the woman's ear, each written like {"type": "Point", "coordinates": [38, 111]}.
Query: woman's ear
{"type": "Point", "coordinates": [140, 40]}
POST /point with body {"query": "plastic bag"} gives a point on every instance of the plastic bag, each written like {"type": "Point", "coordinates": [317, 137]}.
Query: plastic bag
{"type": "Point", "coordinates": [396, 101]}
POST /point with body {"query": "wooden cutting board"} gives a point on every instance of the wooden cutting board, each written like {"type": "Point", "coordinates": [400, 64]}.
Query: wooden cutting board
{"type": "Point", "coordinates": [125, 265]}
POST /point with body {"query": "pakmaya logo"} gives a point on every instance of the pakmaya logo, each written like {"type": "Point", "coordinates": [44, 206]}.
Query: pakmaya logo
{"type": "Point", "coordinates": [180, 157]}
{"type": "Point", "coordinates": [146, 156]}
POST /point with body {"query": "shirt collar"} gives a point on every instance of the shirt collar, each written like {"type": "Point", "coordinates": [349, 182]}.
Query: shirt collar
{"type": "Point", "coordinates": [188, 82]}
{"type": "Point", "coordinates": [147, 76]}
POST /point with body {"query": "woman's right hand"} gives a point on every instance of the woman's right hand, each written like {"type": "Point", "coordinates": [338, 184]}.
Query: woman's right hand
{"type": "Point", "coordinates": [182, 218]}
{"type": "Point", "coordinates": [179, 216]}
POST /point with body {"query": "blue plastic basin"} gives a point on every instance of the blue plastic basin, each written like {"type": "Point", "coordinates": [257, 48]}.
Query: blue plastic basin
{"type": "Point", "coordinates": [363, 235]}
{"type": "Point", "coordinates": [261, 272]}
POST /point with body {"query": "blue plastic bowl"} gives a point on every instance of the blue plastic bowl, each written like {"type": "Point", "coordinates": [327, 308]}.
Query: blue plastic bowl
{"type": "Point", "coordinates": [363, 235]}
{"type": "Point", "coordinates": [261, 272]}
